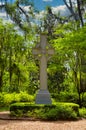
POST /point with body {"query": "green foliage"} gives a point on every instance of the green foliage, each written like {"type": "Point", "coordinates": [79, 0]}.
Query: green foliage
{"type": "Point", "coordinates": [2, 109]}
{"type": "Point", "coordinates": [82, 112]}
{"type": "Point", "coordinates": [73, 106]}
{"type": "Point", "coordinates": [1, 99]}
{"type": "Point", "coordinates": [16, 12]}
{"type": "Point", "coordinates": [8, 98]}
{"type": "Point", "coordinates": [71, 50]}
{"type": "Point", "coordinates": [57, 111]}
{"type": "Point", "coordinates": [25, 97]}
{"type": "Point", "coordinates": [84, 100]}
{"type": "Point", "coordinates": [60, 113]}
{"type": "Point", "coordinates": [16, 61]}
{"type": "Point", "coordinates": [65, 97]}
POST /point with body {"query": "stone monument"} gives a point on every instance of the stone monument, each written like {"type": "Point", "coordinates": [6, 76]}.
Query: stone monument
{"type": "Point", "coordinates": [43, 52]}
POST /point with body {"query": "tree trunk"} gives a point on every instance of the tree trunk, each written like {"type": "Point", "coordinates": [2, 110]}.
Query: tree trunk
{"type": "Point", "coordinates": [70, 7]}
{"type": "Point", "coordinates": [80, 13]}
{"type": "Point", "coordinates": [77, 16]}
{"type": "Point", "coordinates": [10, 67]}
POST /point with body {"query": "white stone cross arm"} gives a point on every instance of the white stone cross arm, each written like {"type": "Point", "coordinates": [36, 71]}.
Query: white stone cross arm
{"type": "Point", "coordinates": [43, 47]}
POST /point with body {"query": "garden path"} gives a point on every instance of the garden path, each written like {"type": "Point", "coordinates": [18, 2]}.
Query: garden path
{"type": "Point", "coordinates": [39, 125]}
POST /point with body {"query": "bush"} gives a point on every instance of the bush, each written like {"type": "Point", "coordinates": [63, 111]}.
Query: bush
{"type": "Point", "coordinates": [84, 100]}
{"type": "Point", "coordinates": [65, 97]}
{"type": "Point", "coordinates": [82, 112]}
{"type": "Point", "coordinates": [51, 114]}
{"type": "Point", "coordinates": [58, 113]}
{"type": "Point", "coordinates": [66, 113]}
{"type": "Point", "coordinates": [1, 100]}
{"type": "Point", "coordinates": [45, 112]}
{"type": "Point", "coordinates": [25, 97]}
{"type": "Point", "coordinates": [62, 111]}
{"type": "Point", "coordinates": [25, 107]}
{"type": "Point", "coordinates": [8, 98]}
{"type": "Point", "coordinates": [73, 106]}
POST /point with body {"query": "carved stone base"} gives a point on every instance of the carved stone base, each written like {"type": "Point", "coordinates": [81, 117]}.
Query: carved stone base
{"type": "Point", "coordinates": [43, 97]}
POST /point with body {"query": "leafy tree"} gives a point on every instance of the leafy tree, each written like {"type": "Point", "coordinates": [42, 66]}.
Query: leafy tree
{"type": "Point", "coordinates": [52, 20]}
{"type": "Point", "coordinates": [72, 48]}
{"type": "Point", "coordinates": [21, 12]}
{"type": "Point", "coordinates": [16, 59]}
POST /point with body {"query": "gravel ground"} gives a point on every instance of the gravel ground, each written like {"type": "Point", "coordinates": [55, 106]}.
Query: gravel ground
{"type": "Point", "coordinates": [6, 123]}
{"type": "Point", "coordinates": [41, 125]}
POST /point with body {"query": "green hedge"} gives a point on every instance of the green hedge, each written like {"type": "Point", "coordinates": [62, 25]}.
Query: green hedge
{"type": "Point", "coordinates": [62, 111]}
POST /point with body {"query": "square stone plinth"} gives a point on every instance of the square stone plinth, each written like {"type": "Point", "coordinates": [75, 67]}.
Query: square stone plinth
{"type": "Point", "coordinates": [43, 97]}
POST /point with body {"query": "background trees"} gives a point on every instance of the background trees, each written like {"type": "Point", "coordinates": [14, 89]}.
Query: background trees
{"type": "Point", "coordinates": [77, 9]}
{"type": "Point", "coordinates": [15, 59]}
{"type": "Point", "coordinates": [66, 70]}
{"type": "Point", "coordinates": [73, 54]}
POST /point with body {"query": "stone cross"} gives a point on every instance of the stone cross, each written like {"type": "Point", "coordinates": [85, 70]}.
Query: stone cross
{"type": "Point", "coordinates": [43, 52]}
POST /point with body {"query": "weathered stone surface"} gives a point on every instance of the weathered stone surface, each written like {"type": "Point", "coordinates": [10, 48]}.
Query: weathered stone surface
{"type": "Point", "coordinates": [43, 97]}
{"type": "Point", "coordinates": [43, 51]}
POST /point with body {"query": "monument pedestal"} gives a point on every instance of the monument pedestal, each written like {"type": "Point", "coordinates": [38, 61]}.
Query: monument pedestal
{"type": "Point", "coordinates": [43, 97]}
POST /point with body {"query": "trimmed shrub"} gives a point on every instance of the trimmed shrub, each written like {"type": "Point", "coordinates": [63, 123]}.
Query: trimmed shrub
{"type": "Point", "coordinates": [66, 113]}
{"type": "Point", "coordinates": [45, 112]}
{"type": "Point", "coordinates": [73, 106]}
{"type": "Point", "coordinates": [62, 111]}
